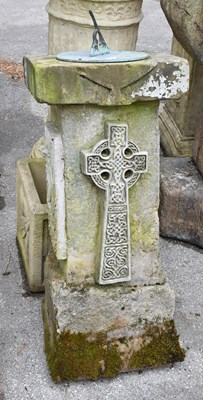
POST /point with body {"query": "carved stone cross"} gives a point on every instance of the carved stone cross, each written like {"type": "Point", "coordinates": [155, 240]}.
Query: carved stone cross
{"type": "Point", "coordinates": [115, 165]}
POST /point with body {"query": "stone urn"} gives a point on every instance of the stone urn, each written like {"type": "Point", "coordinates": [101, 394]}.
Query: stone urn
{"type": "Point", "coordinates": [70, 26]}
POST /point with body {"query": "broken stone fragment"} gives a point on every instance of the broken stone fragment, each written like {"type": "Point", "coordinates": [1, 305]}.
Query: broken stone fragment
{"type": "Point", "coordinates": [185, 19]}
{"type": "Point", "coordinates": [32, 219]}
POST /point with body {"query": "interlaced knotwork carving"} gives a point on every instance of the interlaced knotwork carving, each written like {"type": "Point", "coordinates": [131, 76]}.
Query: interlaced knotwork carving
{"type": "Point", "coordinates": [115, 165]}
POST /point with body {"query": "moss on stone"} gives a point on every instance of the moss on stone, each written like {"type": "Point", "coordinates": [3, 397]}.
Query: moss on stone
{"type": "Point", "coordinates": [74, 356]}
{"type": "Point", "coordinates": [143, 235]}
{"type": "Point", "coordinates": [56, 82]}
{"type": "Point", "coordinates": [160, 346]}
{"type": "Point", "coordinates": [54, 267]}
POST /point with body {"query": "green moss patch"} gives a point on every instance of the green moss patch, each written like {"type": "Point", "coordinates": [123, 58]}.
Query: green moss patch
{"type": "Point", "coordinates": [160, 346]}
{"type": "Point", "coordinates": [143, 235]}
{"type": "Point", "coordinates": [74, 356]}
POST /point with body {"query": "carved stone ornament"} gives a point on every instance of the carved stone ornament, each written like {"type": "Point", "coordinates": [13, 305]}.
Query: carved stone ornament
{"type": "Point", "coordinates": [113, 11]}
{"type": "Point", "coordinates": [114, 165]}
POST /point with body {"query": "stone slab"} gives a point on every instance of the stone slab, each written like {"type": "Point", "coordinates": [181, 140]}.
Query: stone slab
{"type": "Point", "coordinates": [32, 220]}
{"type": "Point", "coordinates": [92, 333]}
{"type": "Point", "coordinates": [56, 190]}
{"type": "Point", "coordinates": [56, 82]}
{"type": "Point", "coordinates": [181, 200]}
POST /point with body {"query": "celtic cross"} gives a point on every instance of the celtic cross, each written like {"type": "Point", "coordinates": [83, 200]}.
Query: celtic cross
{"type": "Point", "coordinates": [114, 165]}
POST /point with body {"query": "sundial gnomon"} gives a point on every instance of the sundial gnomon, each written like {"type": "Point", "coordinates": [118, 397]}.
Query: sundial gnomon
{"type": "Point", "coordinates": [114, 165]}
{"type": "Point", "coordinates": [100, 52]}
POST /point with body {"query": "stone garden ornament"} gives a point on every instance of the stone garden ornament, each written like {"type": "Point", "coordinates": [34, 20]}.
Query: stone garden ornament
{"type": "Point", "coordinates": [108, 307]}
{"type": "Point", "coordinates": [115, 165]}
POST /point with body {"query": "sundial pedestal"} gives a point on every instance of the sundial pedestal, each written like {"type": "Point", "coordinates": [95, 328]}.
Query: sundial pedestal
{"type": "Point", "coordinates": [98, 324]}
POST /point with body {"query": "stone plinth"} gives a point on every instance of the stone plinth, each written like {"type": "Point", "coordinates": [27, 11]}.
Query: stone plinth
{"type": "Point", "coordinates": [71, 28]}
{"type": "Point", "coordinates": [103, 123]}
{"type": "Point", "coordinates": [92, 333]}
{"type": "Point", "coordinates": [181, 122]}
{"type": "Point", "coordinates": [181, 200]}
{"type": "Point", "coordinates": [32, 220]}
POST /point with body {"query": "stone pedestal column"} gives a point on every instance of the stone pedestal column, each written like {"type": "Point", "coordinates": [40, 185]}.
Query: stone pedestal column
{"type": "Point", "coordinates": [107, 306]}
{"type": "Point", "coordinates": [180, 121]}
{"type": "Point", "coordinates": [70, 26]}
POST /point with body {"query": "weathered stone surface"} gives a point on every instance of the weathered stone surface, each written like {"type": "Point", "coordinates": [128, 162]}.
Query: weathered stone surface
{"type": "Point", "coordinates": [198, 139]}
{"type": "Point", "coordinates": [32, 219]}
{"type": "Point", "coordinates": [185, 19]}
{"type": "Point", "coordinates": [181, 121]}
{"type": "Point", "coordinates": [181, 200]}
{"type": "Point", "coordinates": [56, 82]}
{"type": "Point", "coordinates": [56, 190]}
{"type": "Point", "coordinates": [81, 127]}
{"type": "Point", "coordinates": [39, 150]}
{"type": "Point", "coordinates": [177, 119]}
{"type": "Point", "coordinates": [90, 342]}
{"type": "Point", "coordinates": [71, 28]}
{"type": "Point", "coordinates": [92, 332]}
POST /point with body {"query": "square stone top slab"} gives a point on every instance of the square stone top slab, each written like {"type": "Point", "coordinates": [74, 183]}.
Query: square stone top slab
{"type": "Point", "coordinates": [161, 76]}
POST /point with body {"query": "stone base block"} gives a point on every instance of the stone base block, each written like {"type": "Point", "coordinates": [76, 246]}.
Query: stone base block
{"type": "Point", "coordinates": [95, 332]}
{"type": "Point", "coordinates": [181, 200]}
{"type": "Point", "coordinates": [32, 219]}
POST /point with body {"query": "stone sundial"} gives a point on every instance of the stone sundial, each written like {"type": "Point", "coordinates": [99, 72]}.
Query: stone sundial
{"type": "Point", "coordinates": [99, 52]}
{"type": "Point", "coordinates": [100, 330]}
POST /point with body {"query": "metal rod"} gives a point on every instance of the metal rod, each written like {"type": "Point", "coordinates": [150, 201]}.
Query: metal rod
{"type": "Point", "coordinates": [105, 49]}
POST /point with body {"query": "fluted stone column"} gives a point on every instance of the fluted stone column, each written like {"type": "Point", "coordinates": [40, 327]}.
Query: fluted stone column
{"type": "Point", "coordinates": [107, 307]}
{"type": "Point", "coordinates": [70, 26]}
